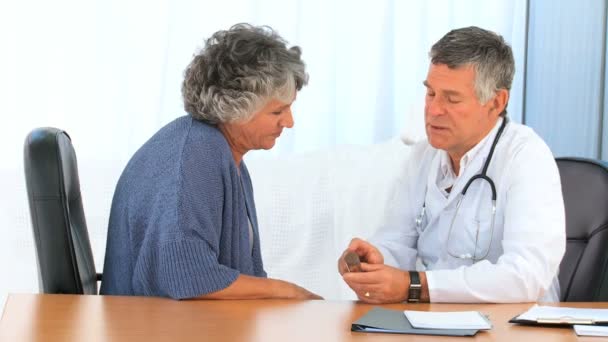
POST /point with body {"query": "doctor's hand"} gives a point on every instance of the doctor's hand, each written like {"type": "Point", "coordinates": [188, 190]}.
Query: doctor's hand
{"type": "Point", "coordinates": [366, 251]}
{"type": "Point", "coordinates": [379, 283]}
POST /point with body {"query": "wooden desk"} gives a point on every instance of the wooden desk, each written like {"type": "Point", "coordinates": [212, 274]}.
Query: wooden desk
{"type": "Point", "coordinates": [31, 317]}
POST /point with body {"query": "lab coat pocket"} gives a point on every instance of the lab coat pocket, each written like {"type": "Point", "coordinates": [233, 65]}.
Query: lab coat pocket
{"type": "Point", "coordinates": [482, 237]}
{"type": "Point", "coordinates": [469, 237]}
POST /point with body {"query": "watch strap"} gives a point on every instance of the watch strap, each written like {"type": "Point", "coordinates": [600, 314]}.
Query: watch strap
{"type": "Point", "coordinates": [415, 289]}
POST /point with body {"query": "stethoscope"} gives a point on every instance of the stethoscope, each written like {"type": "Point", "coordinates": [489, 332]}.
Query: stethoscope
{"type": "Point", "coordinates": [481, 176]}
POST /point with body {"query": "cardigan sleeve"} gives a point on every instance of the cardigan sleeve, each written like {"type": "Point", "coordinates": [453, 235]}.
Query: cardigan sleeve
{"type": "Point", "coordinates": [181, 269]}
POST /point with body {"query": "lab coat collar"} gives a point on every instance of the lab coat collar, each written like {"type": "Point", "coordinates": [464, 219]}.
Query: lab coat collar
{"type": "Point", "coordinates": [442, 174]}
{"type": "Point", "coordinates": [465, 161]}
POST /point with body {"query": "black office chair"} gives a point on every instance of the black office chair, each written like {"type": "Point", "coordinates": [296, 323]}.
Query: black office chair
{"type": "Point", "coordinates": [583, 273]}
{"type": "Point", "coordinates": [65, 260]}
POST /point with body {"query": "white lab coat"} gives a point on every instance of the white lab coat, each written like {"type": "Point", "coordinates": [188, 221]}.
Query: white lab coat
{"type": "Point", "coordinates": [528, 241]}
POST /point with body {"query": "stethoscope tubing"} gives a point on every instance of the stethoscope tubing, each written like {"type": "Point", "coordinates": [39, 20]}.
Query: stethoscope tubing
{"type": "Point", "coordinates": [483, 176]}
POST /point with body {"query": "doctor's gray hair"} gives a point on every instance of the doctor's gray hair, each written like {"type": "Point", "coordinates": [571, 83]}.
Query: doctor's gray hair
{"type": "Point", "coordinates": [237, 71]}
{"type": "Point", "coordinates": [486, 51]}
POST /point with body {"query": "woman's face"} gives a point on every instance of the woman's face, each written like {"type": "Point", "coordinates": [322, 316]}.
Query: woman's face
{"type": "Point", "coordinates": [265, 126]}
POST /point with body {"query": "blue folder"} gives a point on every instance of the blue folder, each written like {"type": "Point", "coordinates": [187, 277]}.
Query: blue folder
{"type": "Point", "coordinates": [382, 320]}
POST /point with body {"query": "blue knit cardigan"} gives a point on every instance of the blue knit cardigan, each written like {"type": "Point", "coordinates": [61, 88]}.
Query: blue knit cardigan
{"type": "Point", "coordinates": [179, 219]}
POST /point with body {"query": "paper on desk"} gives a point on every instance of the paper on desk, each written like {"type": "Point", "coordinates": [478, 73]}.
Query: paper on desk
{"type": "Point", "coordinates": [448, 320]}
{"type": "Point", "coordinates": [591, 330]}
{"type": "Point", "coordinates": [567, 314]}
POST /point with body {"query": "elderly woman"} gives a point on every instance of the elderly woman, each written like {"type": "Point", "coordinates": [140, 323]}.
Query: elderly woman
{"type": "Point", "coordinates": [183, 222]}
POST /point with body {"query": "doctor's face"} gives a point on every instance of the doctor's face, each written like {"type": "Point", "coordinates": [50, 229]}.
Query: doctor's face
{"type": "Point", "coordinates": [455, 120]}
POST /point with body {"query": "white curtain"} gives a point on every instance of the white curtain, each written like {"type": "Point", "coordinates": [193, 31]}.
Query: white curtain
{"type": "Point", "coordinates": [109, 73]}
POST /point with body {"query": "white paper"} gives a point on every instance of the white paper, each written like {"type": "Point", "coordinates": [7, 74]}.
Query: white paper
{"type": "Point", "coordinates": [564, 314]}
{"type": "Point", "coordinates": [447, 320]}
{"type": "Point", "coordinates": [591, 330]}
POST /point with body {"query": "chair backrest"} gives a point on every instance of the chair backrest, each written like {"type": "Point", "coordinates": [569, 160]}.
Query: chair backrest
{"type": "Point", "coordinates": [65, 260]}
{"type": "Point", "coordinates": [583, 274]}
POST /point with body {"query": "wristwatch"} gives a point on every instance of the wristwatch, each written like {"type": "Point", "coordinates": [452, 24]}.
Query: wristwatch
{"type": "Point", "coordinates": [413, 294]}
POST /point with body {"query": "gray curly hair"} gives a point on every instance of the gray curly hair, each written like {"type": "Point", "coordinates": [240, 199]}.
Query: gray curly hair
{"type": "Point", "coordinates": [237, 71]}
{"type": "Point", "coordinates": [490, 55]}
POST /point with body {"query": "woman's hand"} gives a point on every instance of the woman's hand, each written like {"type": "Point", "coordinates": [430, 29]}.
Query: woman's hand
{"type": "Point", "coordinates": [294, 291]}
{"type": "Point", "coordinates": [249, 287]}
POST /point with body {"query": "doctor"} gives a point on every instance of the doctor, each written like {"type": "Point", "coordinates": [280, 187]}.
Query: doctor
{"type": "Point", "coordinates": [478, 214]}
